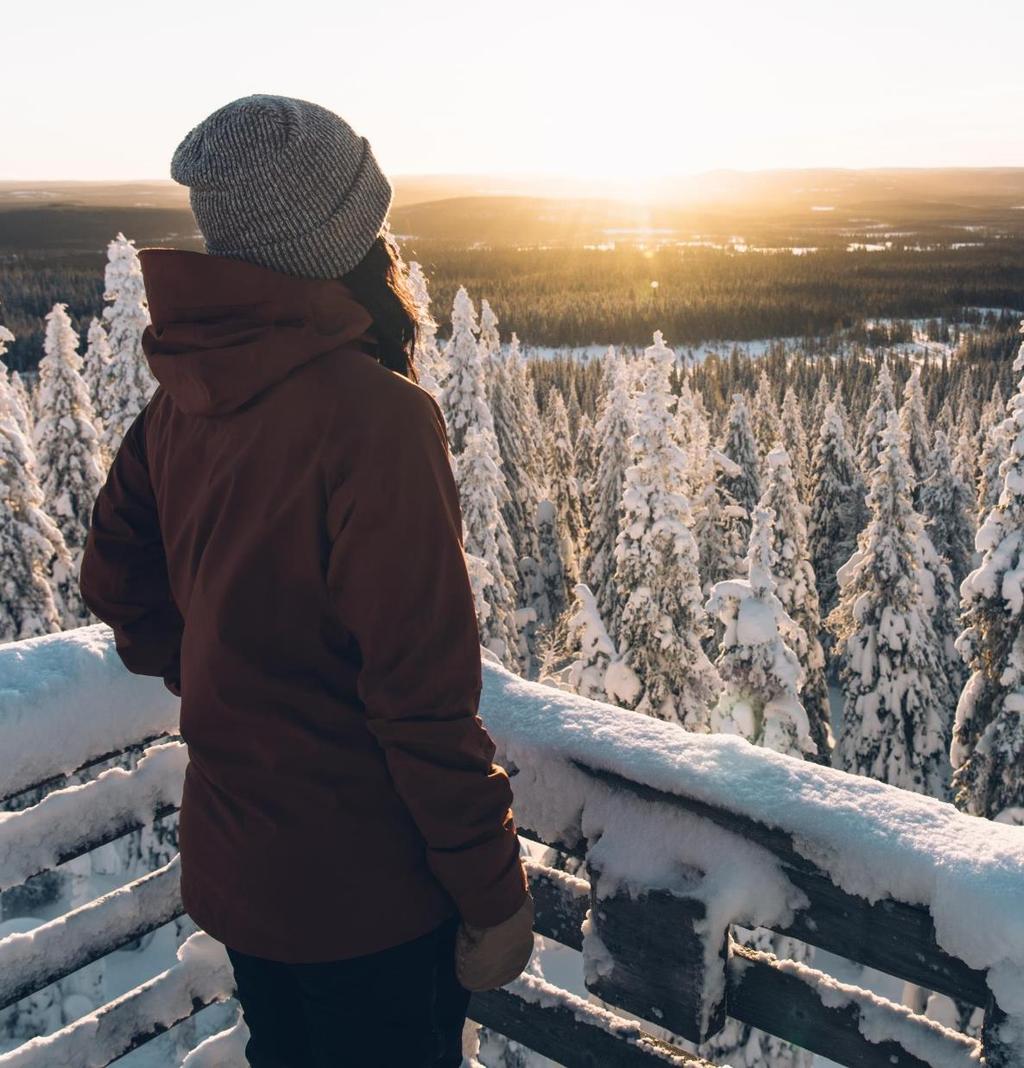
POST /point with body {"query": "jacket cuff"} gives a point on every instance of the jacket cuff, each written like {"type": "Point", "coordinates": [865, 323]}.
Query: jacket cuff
{"type": "Point", "coordinates": [492, 902]}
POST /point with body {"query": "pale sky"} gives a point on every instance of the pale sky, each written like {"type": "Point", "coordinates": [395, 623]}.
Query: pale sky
{"type": "Point", "coordinates": [557, 87]}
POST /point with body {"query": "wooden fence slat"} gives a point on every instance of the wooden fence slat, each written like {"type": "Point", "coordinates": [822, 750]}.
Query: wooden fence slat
{"type": "Point", "coordinates": [893, 937]}
{"type": "Point", "coordinates": [561, 902]}
{"type": "Point", "coordinates": [201, 977]}
{"type": "Point", "coordinates": [35, 959]}
{"type": "Point", "coordinates": [571, 1031]}
{"type": "Point", "coordinates": [764, 995]}
{"type": "Point", "coordinates": [71, 822]}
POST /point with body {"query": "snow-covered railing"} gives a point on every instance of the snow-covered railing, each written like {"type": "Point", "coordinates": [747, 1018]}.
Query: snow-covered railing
{"type": "Point", "coordinates": [681, 839]}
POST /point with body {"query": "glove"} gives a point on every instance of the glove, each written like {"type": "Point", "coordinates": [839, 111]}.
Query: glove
{"type": "Point", "coordinates": [489, 957]}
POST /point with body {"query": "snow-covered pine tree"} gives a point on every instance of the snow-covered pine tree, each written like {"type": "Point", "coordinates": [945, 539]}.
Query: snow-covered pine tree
{"type": "Point", "coordinates": [883, 401]}
{"type": "Point", "coordinates": [761, 674]}
{"type": "Point", "coordinates": [916, 432]}
{"type": "Point", "coordinates": [947, 504]}
{"type": "Point", "coordinates": [489, 339]}
{"type": "Point", "coordinates": [427, 358]}
{"type": "Point", "coordinates": [966, 463]}
{"type": "Point", "coordinates": [794, 440]}
{"type": "Point", "coordinates": [693, 434]}
{"type": "Point", "coordinates": [594, 649]}
{"type": "Point", "coordinates": [765, 416]}
{"type": "Point", "coordinates": [67, 449]}
{"type": "Point", "coordinates": [527, 404]}
{"type": "Point", "coordinates": [720, 525]}
{"type": "Point", "coordinates": [35, 559]}
{"type": "Point", "coordinates": [585, 451]}
{"type": "Point", "coordinates": [614, 431]}
{"type": "Point", "coordinates": [988, 740]}
{"type": "Point", "coordinates": [545, 583]}
{"type": "Point", "coordinates": [562, 487]}
{"type": "Point", "coordinates": [797, 591]}
{"type": "Point", "coordinates": [127, 384]}
{"type": "Point", "coordinates": [26, 409]}
{"type": "Point", "coordinates": [835, 489]}
{"type": "Point", "coordinates": [662, 620]}
{"type": "Point", "coordinates": [739, 445]}
{"type": "Point", "coordinates": [94, 367]}
{"type": "Point", "coordinates": [12, 390]}
{"type": "Point", "coordinates": [481, 491]}
{"type": "Point", "coordinates": [994, 452]}
{"type": "Point", "coordinates": [464, 399]}
{"type": "Point", "coordinates": [760, 700]}
{"type": "Point", "coordinates": [894, 716]}
{"type": "Point", "coordinates": [516, 448]}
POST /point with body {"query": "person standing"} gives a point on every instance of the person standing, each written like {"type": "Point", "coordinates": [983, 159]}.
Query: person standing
{"type": "Point", "coordinates": [279, 539]}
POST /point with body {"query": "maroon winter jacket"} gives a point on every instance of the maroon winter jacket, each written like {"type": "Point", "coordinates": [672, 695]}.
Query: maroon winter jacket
{"type": "Point", "coordinates": [280, 538]}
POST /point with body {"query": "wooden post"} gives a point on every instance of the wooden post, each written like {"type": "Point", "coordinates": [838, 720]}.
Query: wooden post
{"type": "Point", "coordinates": [999, 1051]}
{"type": "Point", "coordinates": [657, 944]}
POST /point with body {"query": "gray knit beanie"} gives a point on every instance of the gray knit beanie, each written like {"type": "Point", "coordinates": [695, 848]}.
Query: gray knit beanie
{"type": "Point", "coordinates": [283, 183]}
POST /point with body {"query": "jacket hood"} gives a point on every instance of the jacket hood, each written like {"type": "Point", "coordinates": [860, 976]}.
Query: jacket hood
{"type": "Point", "coordinates": [223, 331]}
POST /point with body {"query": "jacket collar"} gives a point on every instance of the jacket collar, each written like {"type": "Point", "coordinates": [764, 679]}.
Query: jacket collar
{"type": "Point", "coordinates": [224, 330]}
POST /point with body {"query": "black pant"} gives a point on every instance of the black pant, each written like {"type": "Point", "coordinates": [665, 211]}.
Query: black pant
{"type": "Point", "coordinates": [402, 1007]}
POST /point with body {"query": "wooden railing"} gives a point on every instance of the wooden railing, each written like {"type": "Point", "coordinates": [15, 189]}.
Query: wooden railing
{"type": "Point", "coordinates": [661, 955]}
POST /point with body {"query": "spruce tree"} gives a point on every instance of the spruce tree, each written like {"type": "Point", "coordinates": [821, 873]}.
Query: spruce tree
{"type": "Point", "coordinates": [662, 620]}
{"type": "Point", "coordinates": [797, 591]}
{"type": "Point", "coordinates": [916, 432]}
{"type": "Point", "coordinates": [765, 419]}
{"type": "Point", "coordinates": [988, 743]}
{"type": "Point", "coordinates": [25, 413]}
{"type": "Point", "coordinates": [516, 448]}
{"type": "Point", "coordinates": [595, 651]}
{"type": "Point", "coordinates": [794, 440]}
{"type": "Point", "coordinates": [546, 583]}
{"type": "Point", "coordinates": [894, 712]}
{"type": "Point", "coordinates": [760, 701]}
{"type": "Point", "coordinates": [490, 339]}
{"type": "Point", "coordinates": [67, 448]}
{"type": "Point", "coordinates": [585, 450]}
{"type": "Point", "coordinates": [464, 399]}
{"type": "Point", "coordinates": [427, 358]}
{"type": "Point", "coordinates": [693, 435]}
{"type": "Point", "coordinates": [739, 445]}
{"type": "Point", "coordinates": [127, 384]}
{"type": "Point", "coordinates": [761, 674]}
{"type": "Point", "coordinates": [876, 419]}
{"type": "Point", "coordinates": [482, 490]}
{"type": "Point", "coordinates": [835, 489]}
{"type": "Point", "coordinates": [994, 451]}
{"type": "Point", "coordinates": [94, 366]}
{"type": "Point", "coordinates": [35, 559]}
{"type": "Point", "coordinates": [562, 487]}
{"type": "Point", "coordinates": [614, 432]}
{"type": "Point", "coordinates": [12, 394]}
{"type": "Point", "coordinates": [947, 504]}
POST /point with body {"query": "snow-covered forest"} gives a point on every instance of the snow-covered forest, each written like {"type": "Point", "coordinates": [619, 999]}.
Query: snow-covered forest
{"type": "Point", "coordinates": [819, 553]}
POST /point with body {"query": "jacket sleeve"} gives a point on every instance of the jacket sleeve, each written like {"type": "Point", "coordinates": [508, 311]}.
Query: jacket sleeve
{"type": "Point", "coordinates": [398, 580]}
{"type": "Point", "coordinates": [124, 570]}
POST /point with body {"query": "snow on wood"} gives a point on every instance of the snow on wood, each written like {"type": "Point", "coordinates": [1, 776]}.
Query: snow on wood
{"type": "Point", "coordinates": [78, 818]}
{"type": "Point", "coordinates": [66, 699]}
{"type": "Point", "coordinates": [201, 976]}
{"type": "Point", "coordinates": [558, 1024]}
{"type": "Point", "coordinates": [31, 960]}
{"type": "Point", "coordinates": [874, 841]}
{"type": "Point", "coordinates": [880, 1020]}
{"type": "Point", "coordinates": [226, 1049]}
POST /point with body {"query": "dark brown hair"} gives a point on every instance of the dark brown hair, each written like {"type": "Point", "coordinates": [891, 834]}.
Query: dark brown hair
{"type": "Point", "coordinates": [380, 284]}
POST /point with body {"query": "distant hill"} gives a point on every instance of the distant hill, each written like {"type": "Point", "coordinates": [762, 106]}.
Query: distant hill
{"type": "Point", "coordinates": [771, 208]}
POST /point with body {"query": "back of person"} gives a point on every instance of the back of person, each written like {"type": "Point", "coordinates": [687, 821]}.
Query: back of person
{"type": "Point", "coordinates": [280, 540]}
